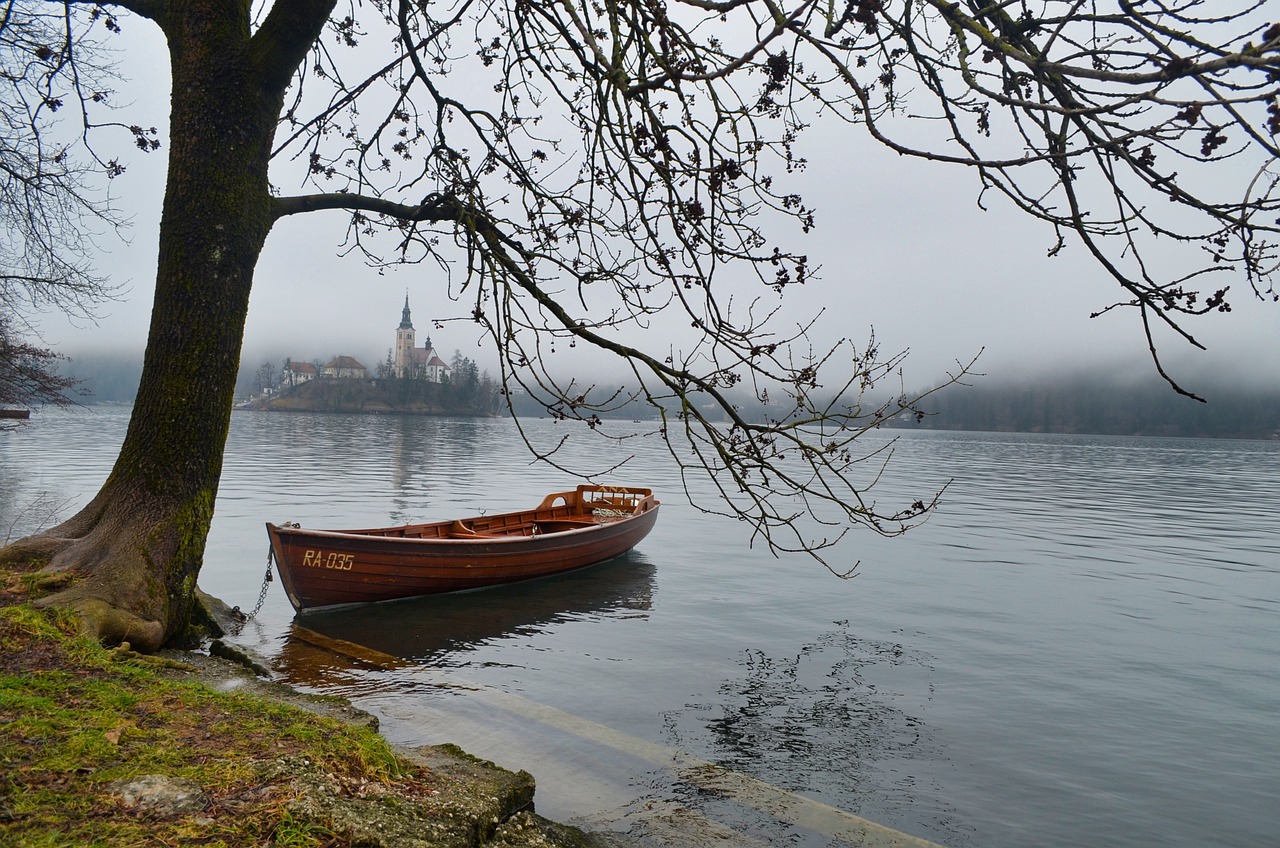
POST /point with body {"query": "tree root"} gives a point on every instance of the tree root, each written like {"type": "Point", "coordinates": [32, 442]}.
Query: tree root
{"type": "Point", "coordinates": [127, 573]}
{"type": "Point", "coordinates": [31, 553]}
{"type": "Point", "coordinates": [109, 624]}
{"type": "Point", "coordinates": [82, 582]}
{"type": "Point", "coordinates": [124, 653]}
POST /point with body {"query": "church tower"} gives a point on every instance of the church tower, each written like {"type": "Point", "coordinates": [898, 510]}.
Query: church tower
{"type": "Point", "coordinates": [404, 342]}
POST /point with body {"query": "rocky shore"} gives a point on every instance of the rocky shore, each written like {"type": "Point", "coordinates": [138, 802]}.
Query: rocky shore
{"type": "Point", "coordinates": [475, 802]}
{"type": "Point", "coordinates": [108, 747]}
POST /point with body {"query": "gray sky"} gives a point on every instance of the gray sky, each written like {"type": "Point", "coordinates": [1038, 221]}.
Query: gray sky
{"type": "Point", "coordinates": [902, 246]}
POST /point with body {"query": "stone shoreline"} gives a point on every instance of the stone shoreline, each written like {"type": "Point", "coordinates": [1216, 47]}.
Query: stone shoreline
{"type": "Point", "coordinates": [483, 804]}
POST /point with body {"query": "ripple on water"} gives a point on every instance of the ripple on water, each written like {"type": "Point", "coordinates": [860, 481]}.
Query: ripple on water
{"type": "Point", "coordinates": [1078, 648]}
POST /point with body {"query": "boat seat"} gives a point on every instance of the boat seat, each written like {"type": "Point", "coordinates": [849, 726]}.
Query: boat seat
{"type": "Point", "coordinates": [513, 530]}
{"type": "Point", "coordinates": [458, 530]}
{"type": "Point", "coordinates": [537, 528]}
{"type": "Point", "coordinates": [559, 525]}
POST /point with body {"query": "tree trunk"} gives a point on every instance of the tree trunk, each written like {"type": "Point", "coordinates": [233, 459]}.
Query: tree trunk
{"type": "Point", "coordinates": [130, 558]}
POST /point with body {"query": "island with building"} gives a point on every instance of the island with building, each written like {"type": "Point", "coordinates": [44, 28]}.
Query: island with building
{"type": "Point", "coordinates": [414, 380]}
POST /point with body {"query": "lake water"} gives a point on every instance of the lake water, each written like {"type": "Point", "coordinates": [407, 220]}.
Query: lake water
{"type": "Point", "coordinates": [1081, 647]}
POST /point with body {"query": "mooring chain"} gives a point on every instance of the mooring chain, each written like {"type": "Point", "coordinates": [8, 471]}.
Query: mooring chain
{"type": "Point", "coordinates": [262, 596]}
{"type": "Point", "coordinates": [266, 581]}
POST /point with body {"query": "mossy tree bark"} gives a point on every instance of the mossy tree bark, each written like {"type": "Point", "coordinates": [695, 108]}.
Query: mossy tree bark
{"type": "Point", "coordinates": [133, 553]}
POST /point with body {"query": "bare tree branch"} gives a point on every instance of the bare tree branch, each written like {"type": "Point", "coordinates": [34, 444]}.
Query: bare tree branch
{"type": "Point", "coordinates": [583, 174]}
{"type": "Point", "coordinates": [50, 211]}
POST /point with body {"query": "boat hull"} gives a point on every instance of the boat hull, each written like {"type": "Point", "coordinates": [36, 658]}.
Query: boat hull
{"type": "Point", "coordinates": [320, 568]}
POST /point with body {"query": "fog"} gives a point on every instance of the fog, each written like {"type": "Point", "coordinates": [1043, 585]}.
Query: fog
{"type": "Point", "coordinates": [902, 249]}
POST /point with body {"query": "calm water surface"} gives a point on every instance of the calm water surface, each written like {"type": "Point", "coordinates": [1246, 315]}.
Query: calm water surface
{"type": "Point", "coordinates": [1080, 648]}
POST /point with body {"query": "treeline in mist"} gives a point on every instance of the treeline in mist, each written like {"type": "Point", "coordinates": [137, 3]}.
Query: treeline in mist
{"type": "Point", "coordinates": [1082, 405]}
{"type": "Point", "coordinates": [1097, 408]}
{"type": "Point", "coordinates": [1074, 406]}
{"type": "Point", "coordinates": [103, 377]}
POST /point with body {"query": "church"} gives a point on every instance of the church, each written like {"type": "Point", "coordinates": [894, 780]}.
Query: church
{"type": "Point", "coordinates": [421, 363]}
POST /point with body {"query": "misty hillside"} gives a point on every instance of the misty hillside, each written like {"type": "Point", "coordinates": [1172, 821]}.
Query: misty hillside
{"type": "Point", "coordinates": [386, 395]}
{"type": "Point", "coordinates": [1098, 408]}
{"type": "Point", "coordinates": [1079, 405]}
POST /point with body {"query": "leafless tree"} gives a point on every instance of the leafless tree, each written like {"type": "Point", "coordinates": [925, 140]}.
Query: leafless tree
{"type": "Point", "coordinates": [265, 377]}
{"type": "Point", "coordinates": [580, 172]}
{"type": "Point", "coordinates": [29, 375]}
{"type": "Point", "coordinates": [49, 211]}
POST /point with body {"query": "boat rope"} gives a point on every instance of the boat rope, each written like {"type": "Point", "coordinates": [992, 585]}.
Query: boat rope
{"type": "Point", "coordinates": [605, 515]}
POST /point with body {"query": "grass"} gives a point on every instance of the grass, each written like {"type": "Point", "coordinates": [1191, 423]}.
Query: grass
{"type": "Point", "coordinates": [76, 718]}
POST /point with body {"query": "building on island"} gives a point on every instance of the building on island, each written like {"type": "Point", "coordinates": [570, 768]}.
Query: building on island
{"type": "Point", "coordinates": [345, 367]}
{"type": "Point", "coordinates": [422, 363]}
{"type": "Point", "coordinates": [296, 373]}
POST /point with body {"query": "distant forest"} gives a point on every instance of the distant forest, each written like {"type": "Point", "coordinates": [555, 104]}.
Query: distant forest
{"type": "Point", "coordinates": [1094, 407]}
{"type": "Point", "coordinates": [113, 377]}
{"type": "Point", "coordinates": [465, 393]}
{"type": "Point", "coordinates": [1064, 406]}
{"type": "Point", "coordinates": [104, 377]}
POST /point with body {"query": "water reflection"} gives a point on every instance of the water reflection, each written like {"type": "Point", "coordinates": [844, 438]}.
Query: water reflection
{"type": "Point", "coordinates": [429, 629]}
{"type": "Point", "coordinates": [823, 722]}
{"type": "Point", "coordinates": [420, 447]}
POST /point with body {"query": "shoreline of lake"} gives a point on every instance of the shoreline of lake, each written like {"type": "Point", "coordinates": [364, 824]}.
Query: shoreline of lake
{"type": "Point", "coordinates": [1074, 648]}
{"type": "Point", "coordinates": [129, 776]}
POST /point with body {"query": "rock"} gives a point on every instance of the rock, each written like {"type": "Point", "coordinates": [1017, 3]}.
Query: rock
{"type": "Point", "coordinates": [219, 648]}
{"type": "Point", "coordinates": [471, 799]}
{"type": "Point", "coordinates": [163, 795]}
{"type": "Point", "coordinates": [219, 618]}
{"type": "Point", "coordinates": [468, 802]}
{"type": "Point", "coordinates": [528, 830]}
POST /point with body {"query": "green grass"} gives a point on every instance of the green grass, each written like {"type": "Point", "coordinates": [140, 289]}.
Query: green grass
{"type": "Point", "coordinates": [75, 718]}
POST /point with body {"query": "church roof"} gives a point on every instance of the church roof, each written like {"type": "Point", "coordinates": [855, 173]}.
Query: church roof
{"type": "Point", "coordinates": [427, 355]}
{"type": "Point", "coordinates": [405, 323]}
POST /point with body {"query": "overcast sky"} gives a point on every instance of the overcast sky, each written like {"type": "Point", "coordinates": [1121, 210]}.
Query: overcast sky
{"type": "Point", "coordinates": [902, 246]}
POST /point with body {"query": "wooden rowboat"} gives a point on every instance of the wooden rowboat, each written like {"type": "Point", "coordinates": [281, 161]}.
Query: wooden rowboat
{"type": "Point", "coordinates": [567, 531]}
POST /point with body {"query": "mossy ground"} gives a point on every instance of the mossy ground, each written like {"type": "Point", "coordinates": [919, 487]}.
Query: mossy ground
{"type": "Point", "coordinates": [76, 719]}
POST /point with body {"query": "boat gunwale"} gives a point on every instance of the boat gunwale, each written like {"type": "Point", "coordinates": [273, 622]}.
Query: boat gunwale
{"type": "Point", "coordinates": [577, 510]}
{"type": "Point", "coordinates": [481, 537]}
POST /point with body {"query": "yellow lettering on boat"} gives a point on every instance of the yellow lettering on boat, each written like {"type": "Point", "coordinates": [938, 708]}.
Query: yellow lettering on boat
{"type": "Point", "coordinates": [341, 562]}
{"type": "Point", "coordinates": [328, 559]}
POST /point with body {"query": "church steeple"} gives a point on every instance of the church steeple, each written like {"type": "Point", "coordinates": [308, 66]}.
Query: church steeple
{"type": "Point", "coordinates": [403, 362]}
{"type": "Point", "coordinates": [405, 323]}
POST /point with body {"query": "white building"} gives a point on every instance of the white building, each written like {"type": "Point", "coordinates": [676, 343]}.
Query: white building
{"type": "Point", "coordinates": [296, 373]}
